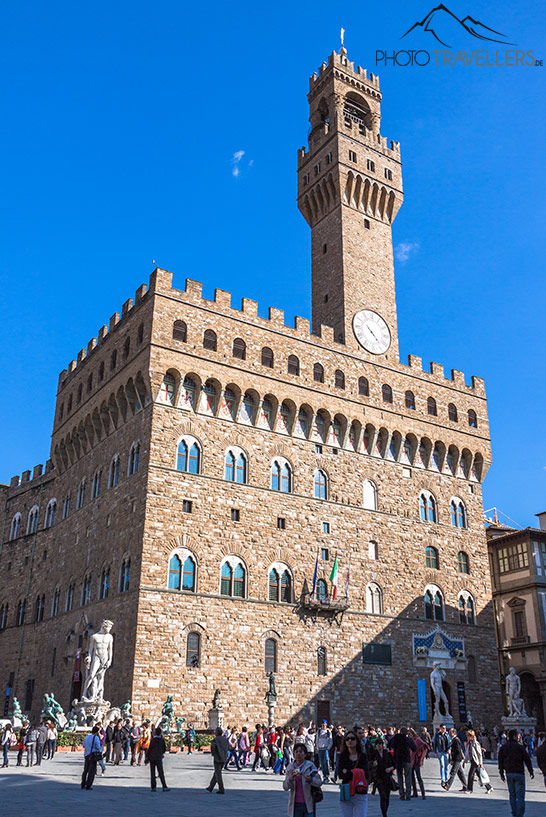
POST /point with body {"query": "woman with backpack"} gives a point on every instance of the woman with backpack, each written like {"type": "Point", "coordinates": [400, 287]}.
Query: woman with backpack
{"type": "Point", "coordinates": [352, 771]}
{"type": "Point", "coordinates": [8, 739]}
{"type": "Point", "coordinates": [301, 777]}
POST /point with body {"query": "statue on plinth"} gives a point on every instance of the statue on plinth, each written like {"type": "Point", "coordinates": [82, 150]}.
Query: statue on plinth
{"type": "Point", "coordinates": [271, 699]}
{"type": "Point", "coordinates": [216, 700]}
{"type": "Point", "coordinates": [53, 711]}
{"type": "Point", "coordinates": [216, 714]}
{"type": "Point", "coordinates": [516, 706]}
{"type": "Point", "coordinates": [167, 714]}
{"type": "Point", "coordinates": [126, 710]}
{"type": "Point", "coordinates": [16, 714]}
{"type": "Point", "coordinates": [100, 659]}
{"type": "Point", "coordinates": [436, 681]}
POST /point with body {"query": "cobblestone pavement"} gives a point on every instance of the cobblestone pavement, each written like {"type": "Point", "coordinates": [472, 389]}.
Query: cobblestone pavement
{"type": "Point", "coordinates": [54, 789]}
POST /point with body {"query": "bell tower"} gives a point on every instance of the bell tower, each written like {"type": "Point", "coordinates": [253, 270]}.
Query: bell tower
{"type": "Point", "coordinates": [349, 192]}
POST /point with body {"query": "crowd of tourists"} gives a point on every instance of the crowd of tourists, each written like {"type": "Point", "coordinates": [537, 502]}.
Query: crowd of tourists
{"type": "Point", "coordinates": [362, 760]}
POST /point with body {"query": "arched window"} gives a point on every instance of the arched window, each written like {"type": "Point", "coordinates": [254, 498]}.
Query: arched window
{"type": "Point", "coordinates": [101, 371]}
{"type": "Point", "coordinates": [40, 607]}
{"type": "Point", "coordinates": [293, 365]}
{"type": "Point", "coordinates": [175, 572]}
{"type": "Point", "coordinates": [452, 412]}
{"type": "Point", "coordinates": [15, 529]}
{"type": "Point", "coordinates": [235, 469]}
{"type": "Point", "coordinates": [239, 349]}
{"type": "Point", "coordinates": [432, 559]}
{"type": "Point", "coordinates": [232, 578]}
{"type": "Point", "coordinates": [66, 505]}
{"type": "Point", "coordinates": [320, 485]}
{"type": "Point", "coordinates": [80, 500]}
{"type": "Point", "coordinates": [434, 603]}
{"type": "Point", "coordinates": [113, 474]}
{"type": "Point", "coordinates": [166, 393]}
{"type": "Point", "coordinates": [125, 575]}
{"type": "Point", "coordinates": [95, 484]}
{"type": "Point", "coordinates": [104, 583]}
{"type": "Point", "coordinates": [188, 574]}
{"type": "Point", "coordinates": [431, 407]}
{"type": "Point", "coordinates": [279, 586]}
{"type": "Point", "coordinates": [472, 419]}
{"type": "Point", "coordinates": [86, 590]}
{"type": "Point", "coordinates": [80, 392]}
{"type": "Point", "coordinates": [339, 379]}
{"type": "Point", "coordinates": [363, 386]}
{"type": "Point", "coordinates": [410, 400]}
{"type": "Point", "coordinates": [270, 657]}
{"type": "Point", "coordinates": [286, 587]}
{"type": "Point", "coordinates": [210, 340]}
{"type": "Point", "coordinates": [113, 360]}
{"type": "Point", "coordinates": [321, 661]}
{"type": "Point", "coordinates": [322, 590]}
{"type": "Point", "coordinates": [281, 476]}
{"type": "Point", "coordinates": [21, 612]}
{"type": "Point", "coordinates": [90, 382]}
{"type": "Point", "coordinates": [193, 650]}
{"type": "Point", "coordinates": [140, 334]}
{"type": "Point", "coordinates": [4, 616]}
{"type": "Point", "coordinates": [318, 373]}
{"type": "Point", "coordinates": [180, 331]}
{"type": "Point", "coordinates": [466, 608]}
{"type": "Point", "coordinates": [427, 507]}
{"type": "Point", "coordinates": [458, 513]}
{"type": "Point", "coordinates": [463, 562]}
{"type": "Point", "coordinates": [273, 585]}
{"type": "Point", "coordinates": [386, 391]}
{"type": "Point", "coordinates": [32, 522]}
{"type": "Point", "coordinates": [267, 357]}
{"type": "Point", "coordinates": [70, 597]}
{"type": "Point", "coordinates": [188, 456]}
{"type": "Point", "coordinates": [134, 457]}
{"type": "Point", "coordinates": [373, 550]}
{"type": "Point", "coordinates": [55, 602]}
{"type": "Point", "coordinates": [374, 599]}
{"type": "Point", "coordinates": [370, 495]}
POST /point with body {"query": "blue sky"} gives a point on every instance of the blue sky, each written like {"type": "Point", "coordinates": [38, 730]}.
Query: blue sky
{"type": "Point", "coordinates": [120, 126]}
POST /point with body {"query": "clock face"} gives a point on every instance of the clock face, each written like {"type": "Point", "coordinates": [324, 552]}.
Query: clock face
{"type": "Point", "coordinates": [371, 331]}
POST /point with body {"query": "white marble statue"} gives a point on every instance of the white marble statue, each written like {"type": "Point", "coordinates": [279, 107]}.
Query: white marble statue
{"type": "Point", "coordinates": [516, 707]}
{"type": "Point", "coordinates": [100, 654]}
{"type": "Point", "coordinates": [436, 677]}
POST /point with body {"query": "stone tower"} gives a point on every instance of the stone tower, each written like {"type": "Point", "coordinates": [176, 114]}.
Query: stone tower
{"type": "Point", "coordinates": [349, 191]}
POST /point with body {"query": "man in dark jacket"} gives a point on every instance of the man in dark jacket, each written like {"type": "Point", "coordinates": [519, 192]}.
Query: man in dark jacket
{"type": "Point", "coordinates": [109, 736]}
{"type": "Point", "coordinates": [402, 746]}
{"type": "Point", "coordinates": [219, 749]}
{"type": "Point", "coordinates": [541, 759]}
{"type": "Point", "coordinates": [154, 755]}
{"type": "Point", "coordinates": [457, 757]}
{"type": "Point", "coordinates": [512, 757]}
{"type": "Point", "coordinates": [41, 742]}
{"type": "Point", "coordinates": [440, 744]}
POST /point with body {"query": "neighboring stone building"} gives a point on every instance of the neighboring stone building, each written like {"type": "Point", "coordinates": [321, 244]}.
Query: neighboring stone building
{"type": "Point", "coordinates": [206, 459]}
{"type": "Point", "coordinates": [518, 570]}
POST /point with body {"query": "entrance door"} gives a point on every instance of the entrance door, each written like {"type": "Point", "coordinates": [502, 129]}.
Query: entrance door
{"type": "Point", "coordinates": [323, 711]}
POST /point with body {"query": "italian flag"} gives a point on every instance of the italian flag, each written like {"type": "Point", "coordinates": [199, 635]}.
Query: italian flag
{"type": "Point", "coordinates": [333, 579]}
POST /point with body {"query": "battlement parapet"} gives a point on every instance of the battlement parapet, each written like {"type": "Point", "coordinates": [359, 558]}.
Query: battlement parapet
{"type": "Point", "coordinates": [347, 126]}
{"type": "Point", "coordinates": [32, 478]}
{"type": "Point", "coordinates": [340, 60]}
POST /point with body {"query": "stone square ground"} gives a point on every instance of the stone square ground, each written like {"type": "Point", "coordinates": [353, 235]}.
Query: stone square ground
{"type": "Point", "coordinates": [53, 790]}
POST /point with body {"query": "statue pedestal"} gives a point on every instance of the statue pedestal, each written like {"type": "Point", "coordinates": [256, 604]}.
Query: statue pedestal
{"type": "Point", "coordinates": [446, 720]}
{"type": "Point", "coordinates": [271, 714]}
{"type": "Point", "coordinates": [216, 718]}
{"type": "Point", "coordinates": [94, 710]}
{"type": "Point", "coordinates": [520, 722]}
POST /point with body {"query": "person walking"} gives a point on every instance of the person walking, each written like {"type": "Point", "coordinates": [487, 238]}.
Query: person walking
{"type": "Point", "coordinates": [145, 738]}
{"type": "Point", "coordinates": [52, 735]}
{"type": "Point", "coordinates": [440, 744]}
{"type": "Point", "coordinates": [22, 743]}
{"type": "Point", "coordinates": [474, 756]}
{"type": "Point", "coordinates": [285, 746]}
{"type": "Point", "coordinates": [259, 744]}
{"type": "Point", "coordinates": [457, 757]}
{"type": "Point", "coordinates": [41, 743]}
{"type": "Point", "coordinates": [323, 742]}
{"type": "Point", "coordinates": [232, 752]}
{"type": "Point", "coordinates": [108, 738]}
{"type": "Point", "coordinates": [541, 758]}
{"type": "Point", "coordinates": [134, 740]}
{"type": "Point", "coordinates": [402, 746]}
{"type": "Point", "coordinates": [31, 739]}
{"type": "Point", "coordinates": [8, 737]}
{"type": "Point", "coordinates": [126, 731]}
{"type": "Point", "coordinates": [337, 744]}
{"type": "Point", "coordinates": [190, 737]}
{"type": "Point", "coordinates": [301, 774]}
{"type": "Point", "coordinates": [243, 745]}
{"type": "Point", "coordinates": [513, 758]}
{"type": "Point", "coordinates": [353, 758]}
{"type": "Point", "coordinates": [219, 749]}
{"type": "Point", "coordinates": [154, 755]}
{"type": "Point", "coordinates": [91, 752]}
{"type": "Point", "coordinates": [381, 774]}
{"type": "Point", "coordinates": [417, 760]}
{"type": "Point", "coordinates": [117, 740]}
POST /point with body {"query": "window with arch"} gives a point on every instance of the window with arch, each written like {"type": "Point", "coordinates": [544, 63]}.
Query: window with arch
{"type": "Point", "coordinates": [373, 550]}
{"type": "Point", "coordinates": [232, 579]}
{"type": "Point", "coordinates": [466, 608]}
{"type": "Point", "coordinates": [86, 590]}
{"type": "Point", "coordinates": [51, 510]}
{"type": "Point", "coordinates": [140, 334]}
{"type": "Point", "coordinates": [15, 529]}
{"type": "Point", "coordinates": [281, 476]}
{"type": "Point", "coordinates": [80, 500]}
{"type": "Point", "coordinates": [434, 603]}
{"type": "Point", "coordinates": [95, 484]}
{"type": "Point", "coordinates": [452, 412]}
{"type": "Point", "coordinates": [432, 559]}
{"type": "Point", "coordinates": [4, 610]}
{"type": "Point", "coordinates": [40, 608]}
{"type": "Point", "coordinates": [90, 382]}
{"type": "Point", "coordinates": [80, 392]}
{"type": "Point", "coordinates": [339, 379]}
{"type": "Point", "coordinates": [134, 458]}
{"type": "Point", "coordinates": [55, 602]}
{"type": "Point", "coordinates": [32, 521]}
{"type": "Point", "coordinates": [386, 392]}
{"type": "Point", "coordinates": [410, 400]}
{"type": "Point", "coordinates": [427, 507]}
{"type": "Point", "coordinates": [458, 513]}
{"type": "Point", "coordinates": [318, 373]}
{"type": "Point", "coordinates": [104, 583]}
{"type": "Point", "coordinates": [279, 584]}
{"type": "Point", "coordinates": [322, 590]}
{"type": "Point", "coordinates": [267, 357]}
{"type": "Point", "coordinates": [293, 365]}
{"type": "Point", "coordinates": [124, 575]}
{"type": "Point", "coordinates": [431, 407]}
{"type": "Point", "coordinates": [463, 562]}
{"type": "Point", "coordinates": [113, 360]}
{"type": "Point", "coordinates": [370, 495]}
{"type": "Point", "coordinates": [69, 603]}
{"type": "Point", "coordinates": [113, 474]}
{"type": "Point", "coordinates": [181, 572]}
{"type": "Point", "coordinates": [180, 331]}
{"type": "Point", "coordinates": [235, 466]}
{"type": "Point", "coordinates": [472, 418]}
{"type": "Point", "coordinates": [270, 655]}
{"type": "Point", "coordinates": [188, 392]}
{"type": "Point", "coordinates": [166, 392]}
{"type": "Point", "coordinates": [210, 340]}
{"type": "Point", "coordinates": [239, 349]}
{"type": "Point", "coordinates": [101, 371]}
{"type": "Point", "coordinates": [363, 386]}
{"type": "Point", "coordinates": [374, 599]}
{"type": "Point", "coordinates": [66, 505]}
{"type": "Point", "coordinates": [321, 485]}
{"type": "Point", "coordinates": [21, 612]}
{"type": "Point", "coordinates": [188, 457]}
{"type": "Point", "coordinates": [321, 661]}
{"type": "Point", "coordinates": [126, 348]}
{"type": "Point", "coordinates": [193, 650]}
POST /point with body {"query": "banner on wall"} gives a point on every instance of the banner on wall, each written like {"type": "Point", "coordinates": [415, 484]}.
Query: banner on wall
{"type": "Point", "coordinates": [422, 698]}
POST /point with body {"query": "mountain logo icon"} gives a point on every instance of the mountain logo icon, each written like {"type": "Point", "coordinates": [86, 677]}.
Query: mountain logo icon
{"type": "Point", "coordinates": [446, 28]}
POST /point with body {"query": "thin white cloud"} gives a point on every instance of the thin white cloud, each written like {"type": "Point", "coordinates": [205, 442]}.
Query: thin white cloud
{"type": "Point", "coordinates": [403, 251]}
{"type": "Point", "coordinates": [235, 161]}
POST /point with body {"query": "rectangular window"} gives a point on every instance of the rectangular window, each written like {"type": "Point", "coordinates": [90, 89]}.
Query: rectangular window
{"type": "Point", "coordinates": [388, 174]}
{"type": "Point", "coordinates": [352, 156]}
{"type": "Point", "coordinates": [187, 505]}
{"type": "Point", "coordinates": [376, 654]}
{"type": "Point", "coordinates": [324, 554]}
{"type": "Point", "coordinates": [326, 527]}
{"type": "Point", "coordinates": [29, 693]}
{"type": "Point", "coordinates": [519, 623]}
{"type": "Point", "coordinates": [370, 165]}
{"type": "Point", "coordinates": [329, 158]}
{"type": "Point", "coordinates": [281, 523]}
{"type": "Point", "coordinates": [366, 223]}
{"type": "Point", "coordinates": [318, 449]}
{"type": "Point", "coordinates": [513, 557]}
{"type": "Point", "coordinates": [235, 515]}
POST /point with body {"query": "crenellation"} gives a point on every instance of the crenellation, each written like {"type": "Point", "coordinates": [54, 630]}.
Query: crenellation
{"type": "Point", "coordinates": [222, 298]}
{"type": "Point", "coordinates": [249, 307]}
{"type": "Point", "coordinates": [415, 362]}
{"type": "Point", "coordinates": [478, 385]}
{"type": "Point", "coordinates": [72, 366]}
{"type": "Point", "coordinates": [326, 333]}
{"type": "Point", "coordinates": [437, 370]}
{"type": "Point", "coordinates": [103, 332]}
{"type": "Point", "coordinates": [114, 320]}
{"type": "Point", "coordinates": [14, 482]}
{"type": "Point", "coordinates": [458, 378]}
{"type": "Point", "coordinates": [302, 325]}
{"type": "Point", "coordinates": [82, 354]}
{"type": "Point", "coordinates": [25, 476]}
{"type": "Point", "coordinates": [140, 293]}
{"type": "Point", "coordinates": [128, 305]}
{"type": "Point", "coordinates": [276, 316]}
{"type": "Point", "coordinates": [161, 280]}
{"type": "Point", "coordinates": [194, 289]}
{"type": "Point", "coordinates": [91, 346]}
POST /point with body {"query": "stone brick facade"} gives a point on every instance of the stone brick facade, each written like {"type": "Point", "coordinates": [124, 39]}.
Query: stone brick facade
{"type": "Point", "coordinates": [148, 384]}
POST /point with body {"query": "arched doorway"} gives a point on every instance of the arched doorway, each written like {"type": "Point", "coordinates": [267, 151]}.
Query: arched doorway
{"type": "Point", "coordinates": [530, 692]}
